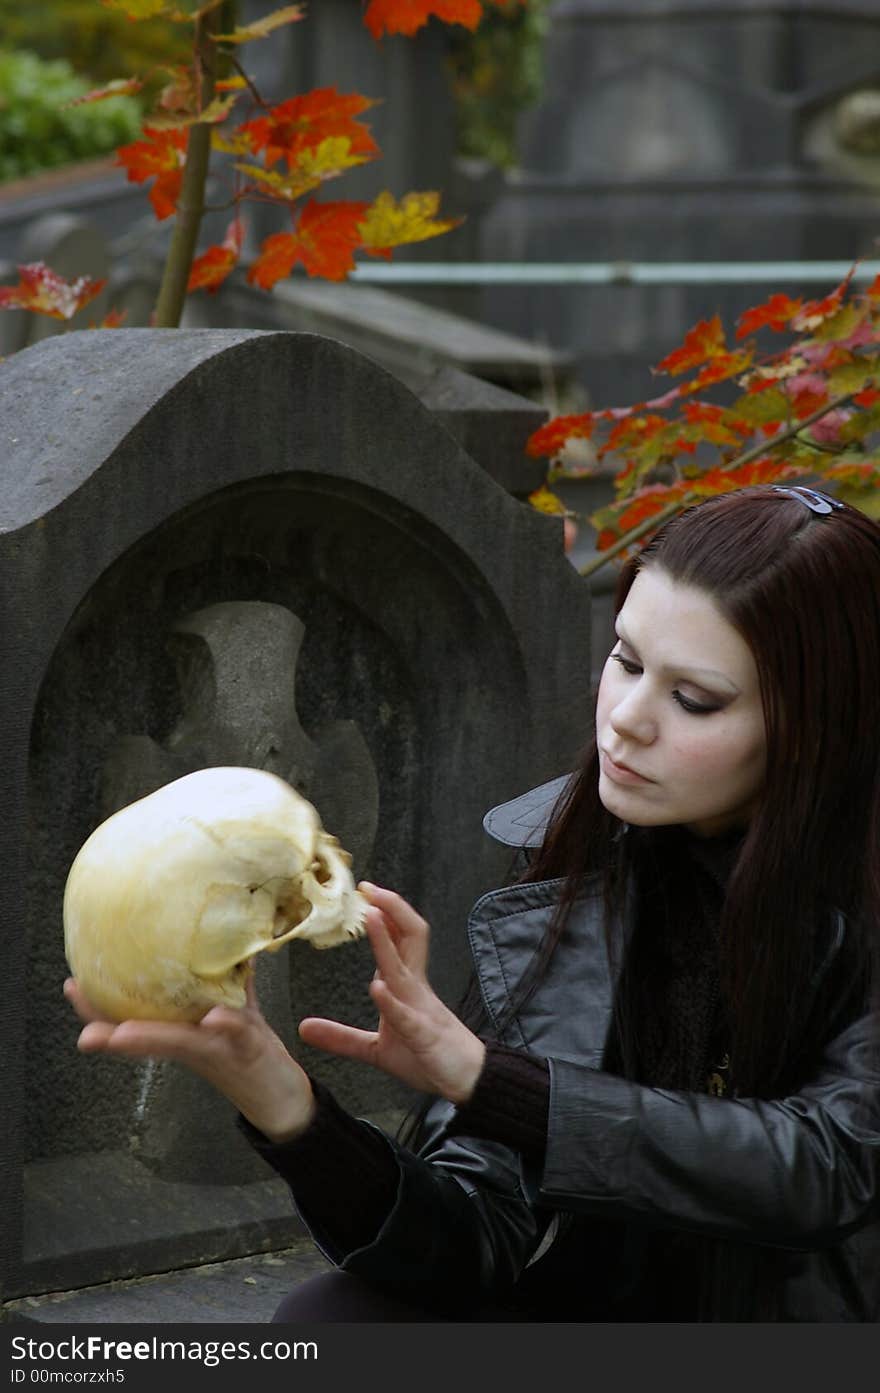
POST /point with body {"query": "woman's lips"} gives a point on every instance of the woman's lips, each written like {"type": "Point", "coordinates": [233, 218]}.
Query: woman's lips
{"type": "Point", "coordinates": [619, 773]}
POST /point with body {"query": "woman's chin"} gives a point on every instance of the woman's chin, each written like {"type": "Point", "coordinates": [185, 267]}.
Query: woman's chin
{"type": "Point", "coordinates": [628, 805]}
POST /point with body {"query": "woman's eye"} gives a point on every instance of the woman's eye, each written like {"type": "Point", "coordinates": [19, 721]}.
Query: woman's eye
{"type": "Point", "coordinates": [694, 708]}
{"type": "Point", "coordinates": [627, 664]}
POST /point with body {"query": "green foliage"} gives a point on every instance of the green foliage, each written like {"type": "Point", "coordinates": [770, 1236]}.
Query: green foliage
{"type": "Point", "coordinates": [99, 43]}
{"type": "Point", "coordinates": [497, 72]}
{"type": "Point", "coordinates": [37, 133]}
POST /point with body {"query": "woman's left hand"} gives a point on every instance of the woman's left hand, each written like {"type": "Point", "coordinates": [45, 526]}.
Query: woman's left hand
{"type": "Point", "coordinates": [418, 1039]}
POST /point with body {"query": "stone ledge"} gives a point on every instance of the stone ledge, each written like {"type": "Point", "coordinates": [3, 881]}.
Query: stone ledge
{"type": "Point", "coordinates": [242, 1290]}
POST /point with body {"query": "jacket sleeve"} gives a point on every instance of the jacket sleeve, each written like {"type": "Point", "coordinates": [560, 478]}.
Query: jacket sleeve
{"type": "Point", "coordinates": [462, 1226]}
{"type": "Point", "coordinates": [448, 1224]}
{"type": "Point", "coordinates": [800, 1172]}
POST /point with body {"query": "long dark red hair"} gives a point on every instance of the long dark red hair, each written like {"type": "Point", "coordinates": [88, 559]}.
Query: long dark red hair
{"type": "Point", "coordinates": [803, 589]}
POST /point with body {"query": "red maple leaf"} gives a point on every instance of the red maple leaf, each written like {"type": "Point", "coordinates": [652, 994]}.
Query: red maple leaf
{"type": "Point", "coordinates": [162, 155]}
{"type": "Point", "coordinates": [806, 391]}
{"type": "Point", "coordinates": [775, 313]}
{"type": "Point", "coordinates": [325, 240]}
{"type": "Point", "coordinates": [408, 16]}
{"type": "Point", "coordinates": [869, 397]}
{"type": "Point", "coordinates": [45, 292]}
{"type": "Point", "coordinates": [633, 431]}
{"type": "Point", "coordinates": [704, 341]}
{"type": "Point", "coordinates": [302, 123]}
{"type": "Point", "coordinates": [761, 384]}
{"type": "Point", "coordinates": [210, 270]}
{"type": "Point", "coordinates": [549, 439]}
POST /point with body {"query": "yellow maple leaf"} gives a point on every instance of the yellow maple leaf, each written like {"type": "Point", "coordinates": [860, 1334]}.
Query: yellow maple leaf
{"type": "Point", "coordinates": [233, 143]}
{"type": "Point", "coordinates": [332, 157]}
{"type": "Point", "coordinates": [391, 224]}
{"type": "Point", "coordinates": [288, 186]}
{"type": "Point", "coordinates": [544, 500]}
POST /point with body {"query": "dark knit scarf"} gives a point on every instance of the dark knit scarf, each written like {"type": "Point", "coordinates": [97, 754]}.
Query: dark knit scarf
{"type": "Point", "coordinates": [671, 1029]}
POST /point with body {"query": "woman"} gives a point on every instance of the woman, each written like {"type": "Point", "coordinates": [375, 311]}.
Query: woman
{"type": "Point", "coordinates": [662, 1099]}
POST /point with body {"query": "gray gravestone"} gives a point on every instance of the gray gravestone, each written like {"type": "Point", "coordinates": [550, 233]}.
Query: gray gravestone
{"type": "Point", "coordinates": [241, 547]}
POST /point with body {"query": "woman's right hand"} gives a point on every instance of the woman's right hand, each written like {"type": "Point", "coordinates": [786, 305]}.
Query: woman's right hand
{"type": "Point", "coordinates": [235, 1050]}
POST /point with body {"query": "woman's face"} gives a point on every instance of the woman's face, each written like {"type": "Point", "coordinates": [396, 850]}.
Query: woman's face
{"type": "Point", "coordinates": [679, 722]}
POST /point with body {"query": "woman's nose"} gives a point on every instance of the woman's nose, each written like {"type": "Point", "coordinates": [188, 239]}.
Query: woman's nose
{"type": "Point", "coordinates": [632, 719]}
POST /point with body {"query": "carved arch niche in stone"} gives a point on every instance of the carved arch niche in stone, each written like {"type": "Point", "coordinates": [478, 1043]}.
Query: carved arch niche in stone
{"type": "Point", "coordinates": [282, 625]}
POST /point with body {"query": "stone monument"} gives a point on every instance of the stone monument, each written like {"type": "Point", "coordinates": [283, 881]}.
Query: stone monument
{"type": "Point", "coordinates": [234, 546]}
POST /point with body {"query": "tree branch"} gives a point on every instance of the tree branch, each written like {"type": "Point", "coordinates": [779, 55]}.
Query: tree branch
{"type": "Point", "coordinates": [692, 496]}
{"type": "Point", "coordinates": [191, 204]}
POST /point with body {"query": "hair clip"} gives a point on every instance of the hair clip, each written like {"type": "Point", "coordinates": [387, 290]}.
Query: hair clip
{"type": "Point", "coordinates": [811, 498]}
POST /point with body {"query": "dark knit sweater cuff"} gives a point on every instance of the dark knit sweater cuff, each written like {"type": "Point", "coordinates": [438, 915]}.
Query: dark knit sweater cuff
{"type": "Point", "coordinates": [510, 1102]}
{"type": "Point", "coordinates": [320, 1165]}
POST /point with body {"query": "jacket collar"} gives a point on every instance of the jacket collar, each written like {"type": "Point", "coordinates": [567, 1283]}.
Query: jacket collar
{"type": "Point", "coordinates": [522, 821]}
{"type": "Point", "coordinates": [506, 927]}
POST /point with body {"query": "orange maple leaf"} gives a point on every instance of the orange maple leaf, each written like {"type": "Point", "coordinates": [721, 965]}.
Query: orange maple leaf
{"type": "Point", "coordinates": [549, 439]}
{"type": "Point", "coordinates": [302, 123]}
{"type": "Point", "coordinates": [45, 292]}
{"type": "Point", "coordinates": [325, 240]}
{"type": "Point", "coordinates": [765, 470]}
{"type": "Point", "coordinates": [775, 313]}
{"type": "Point", "coordinates": [815, 312]}
{"type": "Point", "coordinates": [162, 155]}
{"type": "Point", "coordinates": [706, 340]}
{"type": "Point", "coordinates": [408, 16]}
{"type": "Point", "coordinates": [647, 503]}
{"type": "Point", "coordinates": [210, 270]}
{"type": "Point", "coordinates": [725, 365]}
{"type": "Point", "coordinates": [113, 319]}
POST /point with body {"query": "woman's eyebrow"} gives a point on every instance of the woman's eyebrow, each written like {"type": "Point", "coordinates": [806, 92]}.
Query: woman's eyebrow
{"type": "Point", "coordinates": [683, 669]}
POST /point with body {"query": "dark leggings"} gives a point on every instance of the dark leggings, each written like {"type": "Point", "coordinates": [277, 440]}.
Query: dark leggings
{"type": "Point", "coordinates": [338, 1296]}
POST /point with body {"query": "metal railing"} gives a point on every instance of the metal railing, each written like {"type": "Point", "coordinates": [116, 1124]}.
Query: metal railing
{"type": "Point", "coordinates": [611, 272]}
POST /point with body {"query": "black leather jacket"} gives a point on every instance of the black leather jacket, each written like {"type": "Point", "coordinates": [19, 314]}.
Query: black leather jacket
{"type": "Point", "coordinates": [651, 1204]}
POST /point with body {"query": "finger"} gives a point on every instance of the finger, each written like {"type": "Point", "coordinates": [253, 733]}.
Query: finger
{"type": "Point", "coordinates": [405, 1020]}
{"type": "Point", "coordinates": [151, 1040]}
{"type": "Point", "coordinates": [336, 1038]}
{"type": "Point", "coordinates": [95, 1036]}
{"type": "Point", "coordinates": [77, 998]}
{"type": "Point", "coordinates": [409, 930]}
{"type": "Point", "coordinates": [389, 963]}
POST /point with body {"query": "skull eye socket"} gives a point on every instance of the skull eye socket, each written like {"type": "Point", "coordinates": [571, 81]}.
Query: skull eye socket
{"type": "Point", "coordinates": [321, 871]}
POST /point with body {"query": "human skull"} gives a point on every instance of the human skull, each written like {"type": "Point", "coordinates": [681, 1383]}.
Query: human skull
{"type": "Point", "coordinates": [168, 900]}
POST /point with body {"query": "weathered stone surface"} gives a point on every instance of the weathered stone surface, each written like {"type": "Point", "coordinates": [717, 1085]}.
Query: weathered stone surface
{"type": "Point", "coordinates": [233, 546]}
